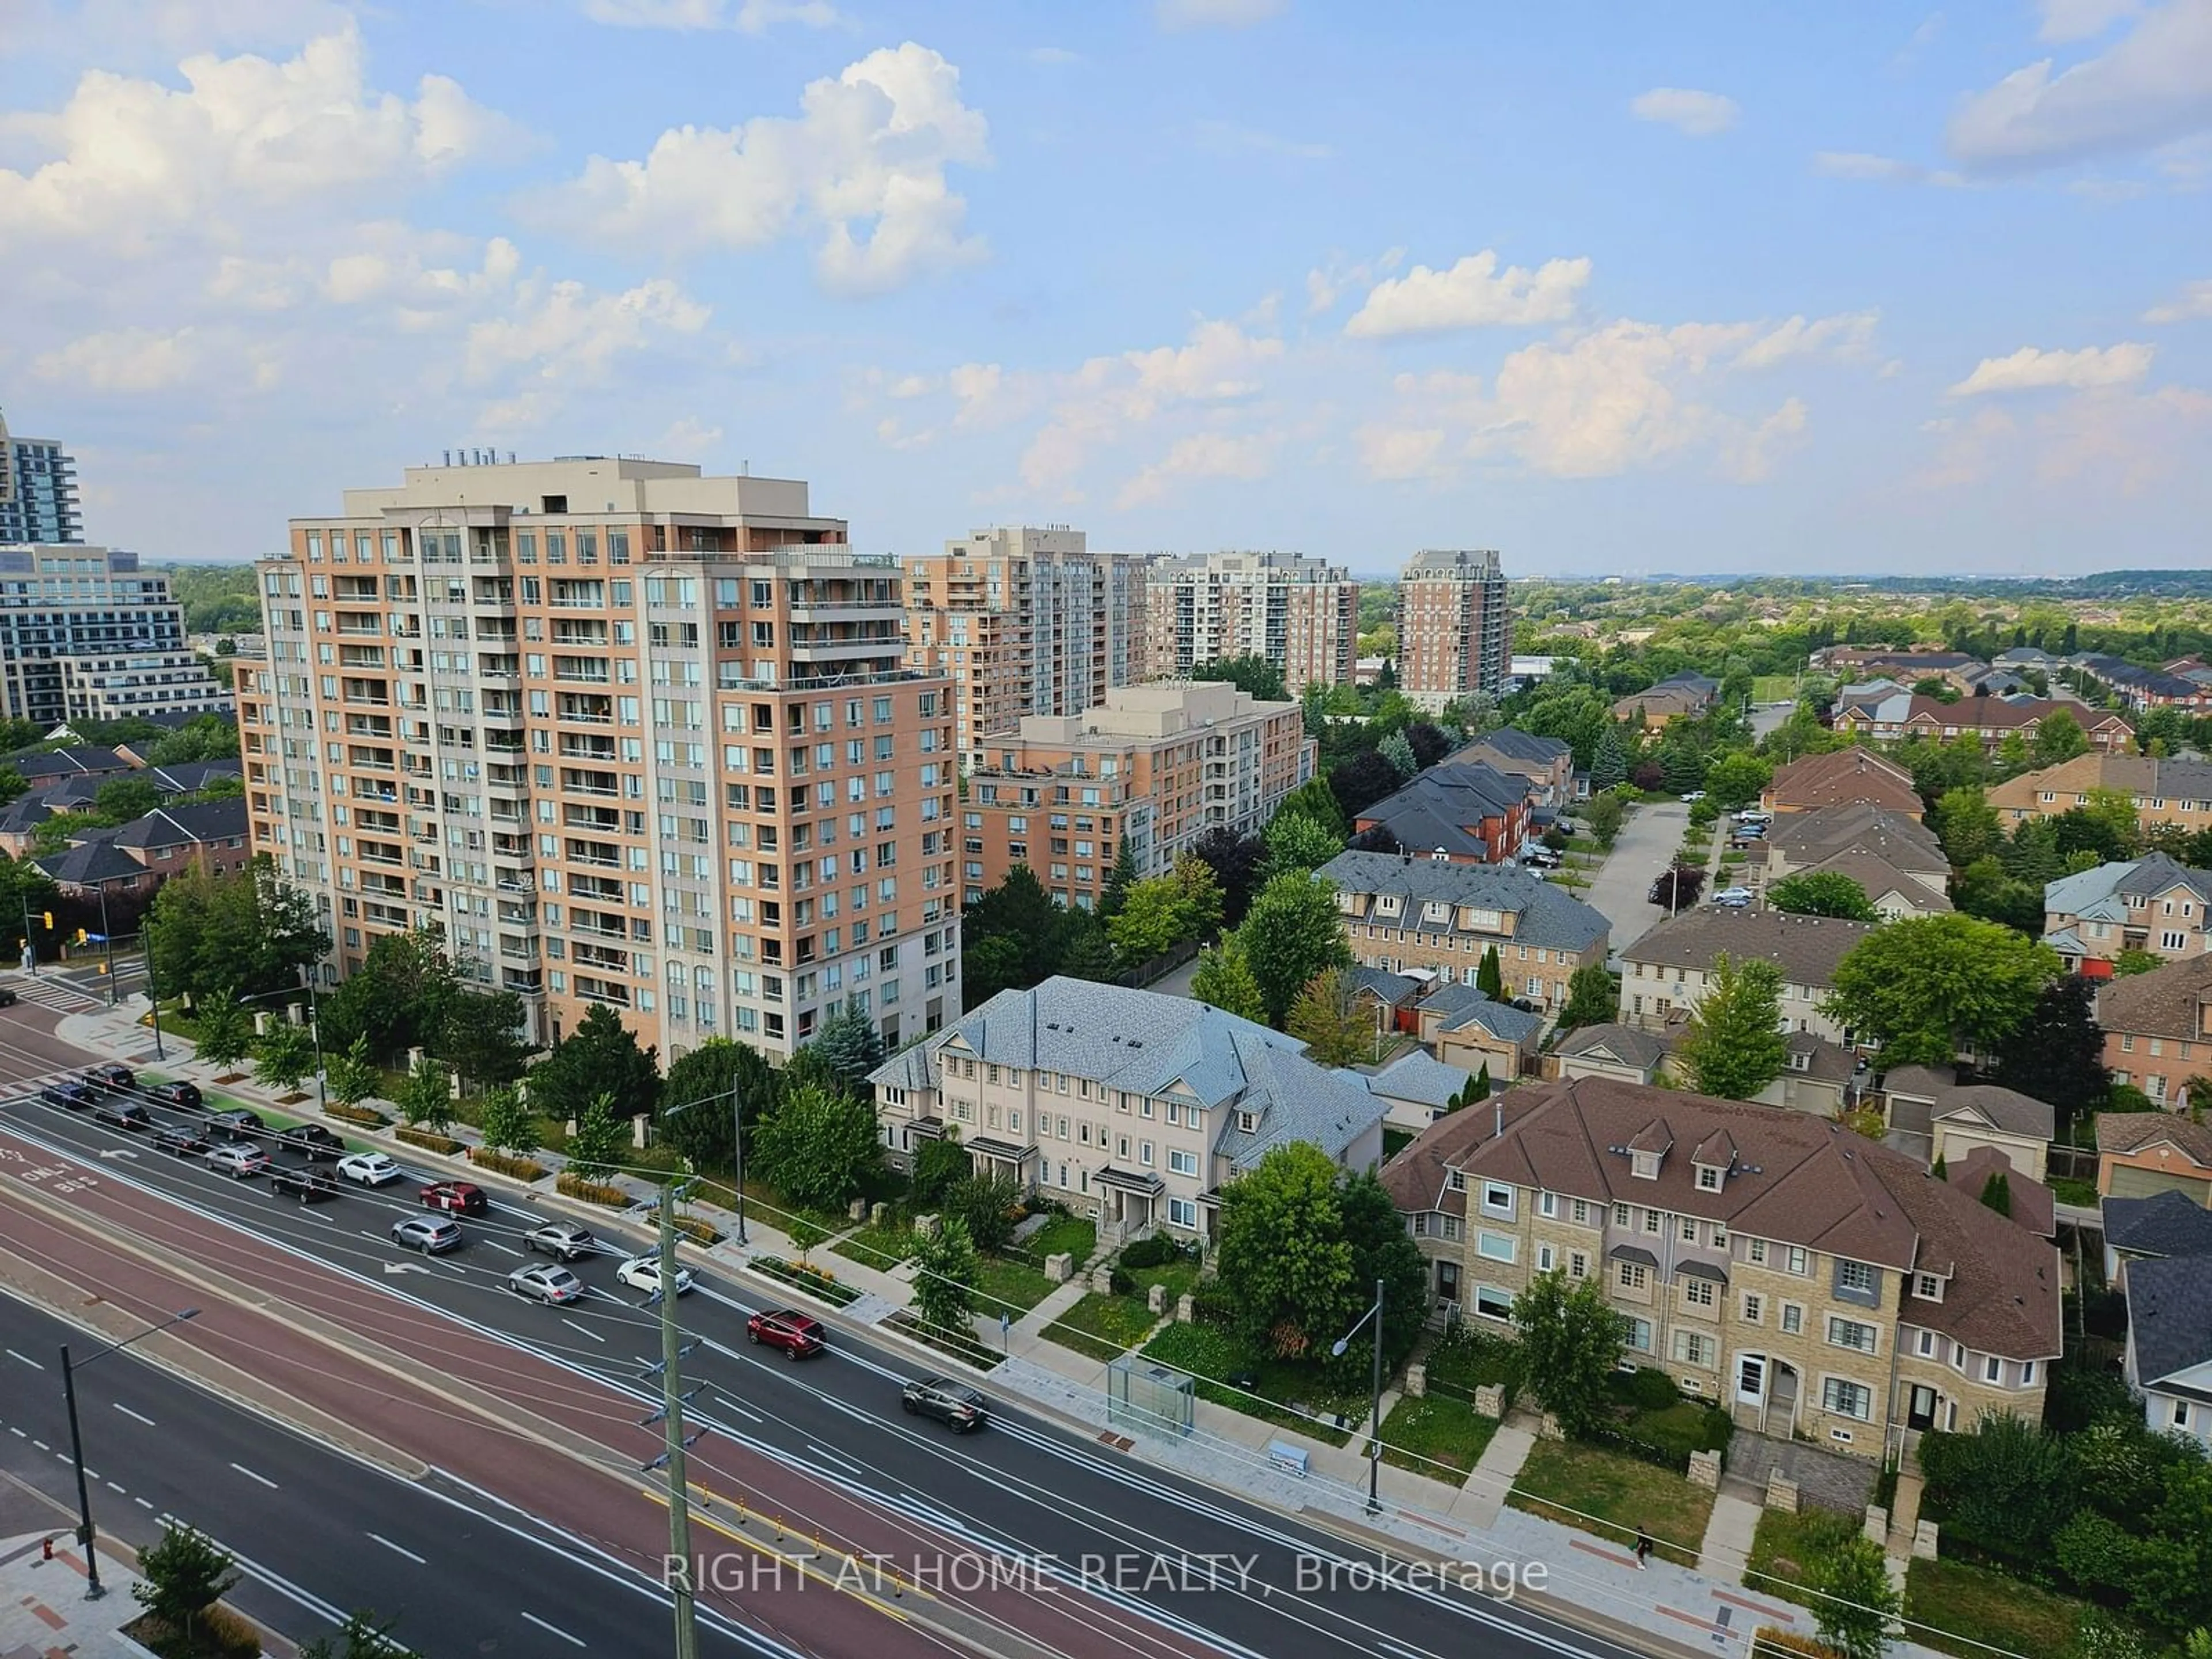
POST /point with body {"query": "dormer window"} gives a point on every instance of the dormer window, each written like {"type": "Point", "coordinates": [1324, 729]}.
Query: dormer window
{"type": "Point", "coordinates": [1801, 1061]}
{"type": "Point", "coordinates": [1644, 1165]}
{"type": "Point", "coordinates": [1248, 1122]}
{"type": "Point", "coordinates": [1456, 1180]}
{"type": "Point", "coordinates": [1929, 1288]}
{"type": "Point", "coordinates": [1709, 1178]}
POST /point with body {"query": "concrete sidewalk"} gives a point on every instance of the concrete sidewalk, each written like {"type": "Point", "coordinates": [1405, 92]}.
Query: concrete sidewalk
{"type": "Point", "coordinates": [43, 1609]}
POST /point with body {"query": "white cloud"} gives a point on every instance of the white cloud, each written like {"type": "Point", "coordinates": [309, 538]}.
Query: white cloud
{"type": "Point", "coordinates": [686, 439]}
{"type": "Point", "coordinates": [1326, 284]}
{"type": "Point", "coordinates": [1748, 456]}
{"type": "Point", "coordinates": [1846, 335]}
{"type": "Point", "coordinates": [1884, 169]}
{"type": "Point", "coordinates": [2192, 303]}
{"type": "Point", "coordinates": [745, 16]}
{"type": "Point", "coordinates": [1201, 455]}
{"type": "Point", "coordinates": [2153, 85]}
{"type": "Point", "coordinates": [1177, 14]}
{"type": "Point", "coordinates": [1472, 293]}
{"type": "Point", "coordinates": [1698, 114]}
{"type": "Point", "coordinates": [863, 167]}
{"type": "Point", "coordinates": [2111, 439]}
{"type": "Point", "coordinates": [566, 332]}
{"type": "Point", "coordinates": [2078, 19]}
{"type": "Point", "coordinates": [2031, 369]}
{"type": "Point", "coordinates": [1389, 452]}
{"type": "Point", "coordinates": [134, 360]}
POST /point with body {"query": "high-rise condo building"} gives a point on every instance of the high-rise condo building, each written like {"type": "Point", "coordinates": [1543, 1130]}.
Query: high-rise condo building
{"type": "Point", "coordinates": [1301, 614]}
{"type": "Point", "coordinates": [629, 735]}
{"type": "Point", "coordinates": [1026, 621]}
{"type": "Point", "coordinates": [86, 634]}
{"type": "Point", "coordinates": [38, 490]}
{"type": "Point", "coordinates": [1455, 635]}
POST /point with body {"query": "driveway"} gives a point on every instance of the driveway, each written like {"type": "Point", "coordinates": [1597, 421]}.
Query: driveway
{"type": "Point", "coordinates": [1646, 846]}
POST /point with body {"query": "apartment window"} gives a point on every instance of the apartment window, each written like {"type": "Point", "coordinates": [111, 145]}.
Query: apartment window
{"type": "Point", "coordinates": [1854, 1276]}
{"type": "Point", "coordinates": [1992, 1368]}
{"type": "Point", "coordinates": [1754, 1307]}
{"type": "Point", "coordinates": [1582, 1212]}
{"type": "Point", "coordinates": [1639, 1335]}
{"type": "Point", "coordinates": [1695, 1348]}
{"type": "Point", "coordinates": [1620, 1215]}
{"type": "Point", "coordinates": [1709, 1178]}
{"type": "Point", "coordinates": [1689, 1229]}
{"type": "Point", "coordinates": [1927, 1287]}
{"type": "Point", "coordinates": [1633, 1276]}
{"type": "Point", "coordinates": [1793, 1319]}
{"type": "Point", "coordinates": [1182, 1212]}
{"type": "Point", "coordinates": [1578, 1265]}
{"type": "Point", "coordinates": [1697, 1292]}
{"type": "Point", "coordinates": [1496, 1246]}
{"type": "Point", "coordinates": [1548, 1204]}
{"type": "Point", "coordinates": [1755, 1251]}
{"type": "Point", "coordinates": [1845, 1398]}
{"type": "Point", "coordinates": [1796, 1259]}
{"type": "Point", "coordinates": [1924, 1344]}
{"type": "Point", "coordinates": [1182, 1163]}
{"type": "Point", "coordinates": [1851, 1333]}
{"type": "Point", "coordinates": [1498, 1199]}
{"type": "Point", "coordinates": [1545, 1261]}
{"type": "Point", "coordinates": [1651, 1221]}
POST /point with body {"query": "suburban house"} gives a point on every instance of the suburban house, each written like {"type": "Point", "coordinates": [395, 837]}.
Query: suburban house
{"type": "Point", "coordinates": [1843, 777]}
{"type": "Point", "coordinates": [2168, 1358]}
{"type": "Point", "coordinates": [2144, 687]}
{"type": "Point", "coordinates": [52, 765]}
{"type": "Point", "coordinates": [1402, 914]}
{"type": "Point", "coordinates": [2151, 904]}
{"type": "Point", "coordinates": [1893, 716]}
{"type": "Point", "coordinates": [2164, 1224]}
{"type": "Point", "coordinates": [1955, 668]}
{"type": "Point", "coordinates": [1624, 1053]}
{"type": "Point", "coordinates": [2176, 791]}
{"type": "Point", "coordinates": [1545, 766]}
{"type": "Point", "coordinates": [1936, 1118]}
{"type": "Point", "coordinates": [1678, 696]}
{"type": "Point", "coordinates": [1897, 860]}
{"type": "Point", "coordinates": [1416, 1090]}
{"type": "Point", "coordinates": [2140, 1154]}
{"type": "Point", "coordinates": [1461, 813]}
{"type": "Point", "coordinates": [2158, 1029]}
{"type": "Point", "coordinates": [1817, 1076]}
{"type": "Point", "coordinates": [1467, 1029]}
{"type": "Point", "coordinates": [1131, 1106]}
{"type": "Point", "coordinates": [1665, 972]}
{"type": "Point", "coordinates": [1815, 1284]}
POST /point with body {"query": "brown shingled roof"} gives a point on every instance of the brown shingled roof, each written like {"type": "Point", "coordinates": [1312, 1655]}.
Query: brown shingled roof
{"type": "Point", "coordinates": [1806, 948]}
{"type": "Point", "coordinates": [2160, 1003]}
{"type": "Point", "coordinates": [1840, 778]}
{"type": "Point", "coordinates": [2034, 1206]}
{"type": "Point", "coordinates": [2131, 1132]}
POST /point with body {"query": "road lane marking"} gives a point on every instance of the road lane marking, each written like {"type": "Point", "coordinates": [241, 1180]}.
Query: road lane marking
{"type": "Point", "coordinates": [396, 1550]}
{"type": "Point", "coordinates": [119, 1491]}
{"type": "Point", "coordinates": [508, 1248]}
{"type": "Point", "coordinates": [250, 1475]}
{"type": "Point", "coordinates": [585, 1329]}
{"type": "Point", "coordinates": [542, 1625]}
{"type": "Point", "coordinates": [42, 1445]}
{"type": "Point", "coordinates": [127, 1412]}
{"type": "Point", "coordinates": [27, 1359]}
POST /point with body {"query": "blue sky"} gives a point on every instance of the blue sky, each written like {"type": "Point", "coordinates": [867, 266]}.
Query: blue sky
{"type": "Point", "coordinates": [1613, 290]}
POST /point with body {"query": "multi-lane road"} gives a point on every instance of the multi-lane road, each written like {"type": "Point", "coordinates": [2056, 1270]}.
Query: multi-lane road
{"type": "Point", "coordinates": [822, 1445]}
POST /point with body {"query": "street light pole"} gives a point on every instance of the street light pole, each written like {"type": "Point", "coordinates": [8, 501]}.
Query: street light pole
{"type": "Point", "coordinates": [153, 995]}
{"type": "Point", "coordinates": [107, 938]}
{"type": "Point", "coordinates": [93, 1588]}
{"type": "Point", "coordinates": [737, 1141]}
{"type": "Point", "coordinates": [1374, 1315]}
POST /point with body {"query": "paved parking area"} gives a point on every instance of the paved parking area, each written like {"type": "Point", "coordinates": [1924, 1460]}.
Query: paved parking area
{"type": "Point", "coordinates": [1646, 846]}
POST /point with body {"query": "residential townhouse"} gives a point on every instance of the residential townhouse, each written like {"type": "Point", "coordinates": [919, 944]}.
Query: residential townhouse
{"type": "Point", "coordinates": [1685, 696]}
{"type": "Point", "coordinates": [1812, 1283]}
{"type": "Point", "coordinates": [1665, 973]}
{"type": "Point", "coordinates": [1404, 913]}
{"type": "Point", "coordinates": [1132, 1107]}
{"type": "Point", "coordinates": [1817, 1075]}
{"type": "Point", "coordinates": [2168, 1359]}
{"type": "Point", "coordinates": [1843, 777]}
{"type": "Point", "coordinates": [2152, 903]}
{"type": "Point", "coordinates": [2176, 791]}
{"type": "Point", "coordinates": [1894, 716]}
{"type": "Point", "coordinates": [2141, 1154]}
{"type": "Point", "coordinates": [2145, 688]}
{"type": "Point", "coordinates": [1896, 860]}
{"type": "Point", "coordinates": [1458, 812]}
{"type": "Point", "coordinates": [1467, 1029]}
{"type": "Point", "coordinates": [1909, 668]}
{"type": "Point", "coordinates": [1938, 1119]}
{"type": "Point", "coordinates": [1545, 766]}
{"type": "Point", "coordinates": [2158, 1030]}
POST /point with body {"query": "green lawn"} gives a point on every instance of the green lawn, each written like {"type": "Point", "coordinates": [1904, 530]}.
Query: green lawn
{"type": "Point", "coordinates": [1774, 688]}
{"type": "Point", "coordinates": [1101, 1325]}
{"type": "Point", "coordinates": [1435, 1436]}
{"type": "Point", "coordinates": [1470, 1359]}
{"type": "Point", "coordinates": [1785, 1545]}
{"type": "Point", "coordinates": [1288, 1395]}
{"type": "Point", "coordinates": [1004, 1286]}
{"type": "Point", "coordinates": [2071, 1189]}
{"type": "Point", "coordinates": [1960, 1605]}
{"type": "Point", "coordinates": [1074, 1236]}
{"type": "Point", "coordinates": [1611, 1495]}
{"type": "Point", "coordinates": [880, 1248]}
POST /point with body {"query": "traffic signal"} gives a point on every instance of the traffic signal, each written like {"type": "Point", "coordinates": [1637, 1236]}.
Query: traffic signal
{"type": "Point", "coordinates": [47, 916]}
{"type": "Point", "coordinates": [80, 934]}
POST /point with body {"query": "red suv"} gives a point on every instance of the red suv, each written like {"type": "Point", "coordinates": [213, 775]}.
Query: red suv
{"type": "Point", "coordinates": [455, 1197]}
{"type": "Point", "coordinates": [797, 1333]}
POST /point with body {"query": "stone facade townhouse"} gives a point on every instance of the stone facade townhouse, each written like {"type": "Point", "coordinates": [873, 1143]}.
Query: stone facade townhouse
{"type": "Point", "coordinates": [1402, 914]}
{"type": "Point", "coordinates": [2176, 791]}
{"type": "Point", "coordinates": [1896, 860]}
{"type": "Point", "coordinates": [1665, 973]}
{"type": "Point", "coordinates": [1545, 765]}
{"type": "Point", "coordinates": [1894, 716]}
{"type": "Point", "coordinates": [2150, 904]}
{"type": "Point", "coordinates": [1811, 1282]}
{"type": "Point", "coordinates": [2158, 1030]}
{"type": "Point", "coordinates": [1129, 1106]}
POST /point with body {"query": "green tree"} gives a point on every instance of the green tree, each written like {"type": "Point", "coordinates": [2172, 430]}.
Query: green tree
{"type": "Point", "coordinates": [1735, 778]}
{"type": "Point", "coordinates": [126, 799]}
{"type": "Point", "coordinates": [988, 1206]}
{"type": "Point", "coordinates": [1593, 997]}
{"type": "Point", "coordinates": [1237, 860]}
{"type": "Point", "coordinates": [479, 1035]}
{"type": "Point", "coordinates": [2058, 736]}
{"type": "Point", "coordinates": [850, 1044]}
{"type": "Point", "coordinates": [1225, 979]}
{"type": "Point", "coordinates": [701, 1081]}
{"type": "Point", "coordinates": [1930, 987]}
{"type": "Point", "coordinates": [1489, 975]}
{"type": "Point", "coordinates": [806, 1237]}
{"type": "Point", "coordinates": [425, 1096]}
{"type": "Point", "coordinates": [1606, 814]}
{"type": "Point", "coordinates": [1296, 844]}
{"type": "Point", "coordinates": [1285, 1264]}
{"type": "Point", "coordinates": [601, 1056]}
{"type": "Point", "coordinates": [818, 1148]}
{"type": "Point", "coordinates": [1380, 1249]}
{"type": "Point", "coordinates": [62, 830]}
{"type": "Point", "coordinates": [399, 996]}
{"type": "Point", "coordinates": [351, 1076]}
{"type": "Point", "coordinates": [1312, 799]}
{"type": "Point", "coordinates": [2133, 960]}
{"type": "Point", "coordinates": [1327, 1019]}
{"type": "Point", "coordinates": [2056, 1055]}
{"type": "Point", "coordinates": [507, 1124]}
{"type": "Point", "coordinates": [1154, 918]}
{"type": "Point", "coordinates": [1290, 933]}
{"type": "Point", "coordinates": [1997, 1193]}
{"type": "Point", "coordinates": [1400, 753]}
{"type": "Point", "coordinates": [283, 1056]}
{"type": "Point", "coordinates": [1119, 880]}
{"type": "Point", "coordinates": [365, 1636]}
{"type": "Point", "coordinates": [245, 932]}
{"type": "Point", "coordinates": [946, 1271]}
{"type": "Point", "coordinates": [226, 1030]}
{"type": "Point", "coordinates": [1822, 893]}
{"type": "Point", "coordinates": [1609, 766]}
{"type": "Point", "coordinates": [597, 1145]}
{"type": "Point", "coordinates": [1983, 889]}
{"type": "Point", "coordinates": [939, 1165]}
{"type": "Point", "coordinates": [1089, 953]}
{"type": "Point", "coordinates": [1019, 911]}
{"type": "Point", "coordinates": [1254, 676]}
{"type": "Point", "coordinates": [1733, 1045]}
{"type": "Point", "coordinates": [1570, 1340]}
{"type": "Point", "coordinates": [1854, 1603]}
{"type": "Point", "coordinates": [1968, 826]}
{"type": "Point", "coordinates": [182, 1575]}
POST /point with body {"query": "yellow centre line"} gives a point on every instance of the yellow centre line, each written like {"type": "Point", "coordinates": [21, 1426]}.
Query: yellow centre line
{"type": "Point", "coordinates": [846, 1583]}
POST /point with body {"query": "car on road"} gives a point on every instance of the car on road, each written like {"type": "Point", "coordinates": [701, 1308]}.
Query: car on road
{"type": "Point", "coordinates": [370, 1169]}
{"type": "Point", "coordinates": [1738, 896]}
{"type": "Point", "coordinates": [237, 1158]}
{"type": "Point", "coordinates": [432, 1235]}
{"type": "Point", "coordinates": [123, 1114]}
{"type": "Point", "coordinates": [303, 1181]}
{"type": "Point", "coordinates": [946, 1401]}
{"type": "Point", "coordinates": [1754, 815]}
{"type": "Point", "coordinates": [1694, 797]}
{"type": "Point", "coordinates": [313, 1140]}
{"type": "Point", "coordinates": [545, 1283]}
{"type": "Point", "coordinates": [111, 1076]}
{"type": "Point", "coordinates": [456, 1197]}
{"type": "Point", "coordinates": [74, 1096]}
{"type": "Point", "coordinates": [642, 1273]}
{"type": "Point", "coordinates": [179, 1141]}
{"type": "Point", "coordinates": [563, 1240]}
{"type": "Point", "coordinates": [186, 1096]}
{"type": "Point", "coordinates": [797, 1333]}
{"type": "Point", "coordinates": [236, 1120]}
{"type": "Point", "coordinates": [1542, 858]}
{"type": "Point", "coordinates": [7, 999]}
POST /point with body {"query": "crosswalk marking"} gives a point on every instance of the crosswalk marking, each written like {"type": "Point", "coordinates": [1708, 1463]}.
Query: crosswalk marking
{"type": "Point", "coordinates": [59, 995]}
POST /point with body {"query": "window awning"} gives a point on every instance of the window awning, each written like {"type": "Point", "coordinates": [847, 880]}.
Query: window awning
{"type": "Point", "coordinates": [1011, 1151]}
{"type": "Point", "coordinates": [1129, 1181]}
{"type": "Point", "coordinates": [1635, 1253]}
{"type": "Point", "coordinates": [1710, 1270]}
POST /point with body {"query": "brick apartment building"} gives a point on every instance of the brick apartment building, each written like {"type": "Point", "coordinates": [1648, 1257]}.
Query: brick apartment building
{"type": "Point", "coordinates": [1455, 628]}
{"type": "Point", "coordinates": [1301, 614]}
{"type": "Point", "coordinates": [630, 735]}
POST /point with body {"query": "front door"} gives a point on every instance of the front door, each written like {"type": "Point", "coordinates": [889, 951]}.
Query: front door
{"type": "Point", "coordinates": [1751, 1379]}
{"type": "Point", "coordinates": [1447, 1281]}
{"type": "Point", "coordinates": [1921, 1414]}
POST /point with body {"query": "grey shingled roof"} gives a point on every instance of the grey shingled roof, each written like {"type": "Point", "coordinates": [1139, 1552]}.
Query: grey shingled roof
{"type": "Point", "coordinates": [77, 761]}
{"type": "Point", "coordinates": [2169, 1316]}
{"type": "Point", "coordinates": [187, 826]}
{"type": "Point", "coordinates": [1806, 948]}
{"type": "Point", "coordinates": [2101, 894]}
{"type": "Point", "coordinates": [1548, 916]}
{"type": "Point", "coordinates": [2161, 1003]}
{"type": "Point", "coordinates": [1514, 744]}
{"type": "Point", "coordinates": [1441, 807]}
{"type": "Point", "coordinates": [91, 863]}
{"type": "Point", "coordinates": [1420, 1078]}
{"type": "Point", "coordinates": [1501, 1019]}
{"type": "Point", "coordinates": [1626, 1043]}
{"type": "Point", "coordinates": [1392, 989]}
{"type": "Point", "coordinates": [2004, 1109]}
{"type": "Point", "coordinates": [2166, 1223]}
{"type": "Point", "coordinates": [2122, 1132]}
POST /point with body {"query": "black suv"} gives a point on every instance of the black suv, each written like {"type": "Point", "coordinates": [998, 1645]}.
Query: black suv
{"type": "Point", "coordinates": [123, 1114]}
{"type": "Point", "coordinates": [184, 1094]}
{"type": "Point", "coordinates": [313, 1140]}
{"type": "Point", "coordinates": [947, 1402]}
{"type": "Point", "coordinates": [302, 1181]}
{"type": "Point", "coordinates": [76, 1096]}
{"type": "Point", "coordinates": [236, 1122]}
{"type": "Point", "coordinates": [112, 1077]}
{"type": "Point", "coordinates": [182, 1142]}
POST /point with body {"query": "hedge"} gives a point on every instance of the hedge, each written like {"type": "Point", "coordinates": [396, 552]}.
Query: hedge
{"type": "Point", "coordinates": [507, 1164]}
{"type": "Point", "coordinates": [367, 1116]}
{"type": "Point", "coordinates": [592, 1192]}
{"type": "Point", "coordinates": [429, 1140]}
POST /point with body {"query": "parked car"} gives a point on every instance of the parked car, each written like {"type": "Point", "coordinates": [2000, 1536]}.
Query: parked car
{"type": "Point", "coordinates": [7, 999]}
{"type": "Point", "coordinates": [432, 1235]}
{"type": "Point", "coordinates": [314, 1141]}
{"type": "Point", "coordinates": [1542, 857]}
{"type": "Point", "coordinates": [797, 1333]}
{"type": "Point", "coordinates": [455, 1197]}
{"type": "Point", "coordinates": [186, 1096]}
{"type": "Point", "coordinates": [946, 1401]}
{"type": "Point", "coordinates": [111, 1076]}
{"type": "Point", "coordinates": [123, 1114]}
{"type": "Point", "coordinates": [1694, 797]}
{"type": "Point", "coordinates": [563, 1240]}
{"type": "Point", "coordinates": [77, 1096]}
{"type": "Point", "coordinates": [1734, 895]}
{"type": "Point", "coordinates": [236, 1120]}
{"type": "Point", "coordinates": [1754, 815]}
{"type": "Point", "coordinates": [238, 1159]}
{"type": "Point", "coordinates": [370, 1169]}
{"type": "Point", "coordinates": [302, 1181]}
{"type": "Point", "coordinates": [179, 1141]}
{"type": "Point", "coordinates": [545, 1283]}
{"type": "Point", "coordinates": [642, 1273]}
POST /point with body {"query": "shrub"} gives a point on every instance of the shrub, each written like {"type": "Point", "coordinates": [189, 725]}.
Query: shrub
{"type": "Point", "coordinates": [1770, 1639]}
{"type": "Point", "coordinates": [1121, 1282]}
{"type": "Point", "coordinates": [429, 1140]}
{"type": "Point", "coordinates": [363, 1116]}
{"type": "Point", "coordinates": [1647, 1388]}
{"type": "Point", "coordinates": [570, 1185]}
{"type": "Point", "coordinates": [699, 1232]}
{"type": "Point", "coordinates": [505, 1163]}
{"type": "Point", "coordinates": [1158, 1251]}
{"type": "Point", "coordinates": [1212, 1306]}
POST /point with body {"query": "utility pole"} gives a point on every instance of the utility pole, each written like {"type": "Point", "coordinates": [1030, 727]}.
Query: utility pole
{"type": "Point", "coordinates": [738, 1146]}
{"type": "Point", "coordinates": [107, 940]}
{"type": "Point", "coordinates": [671, 1416]}
{"type": "Point", "coordinates": [153, 995]}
